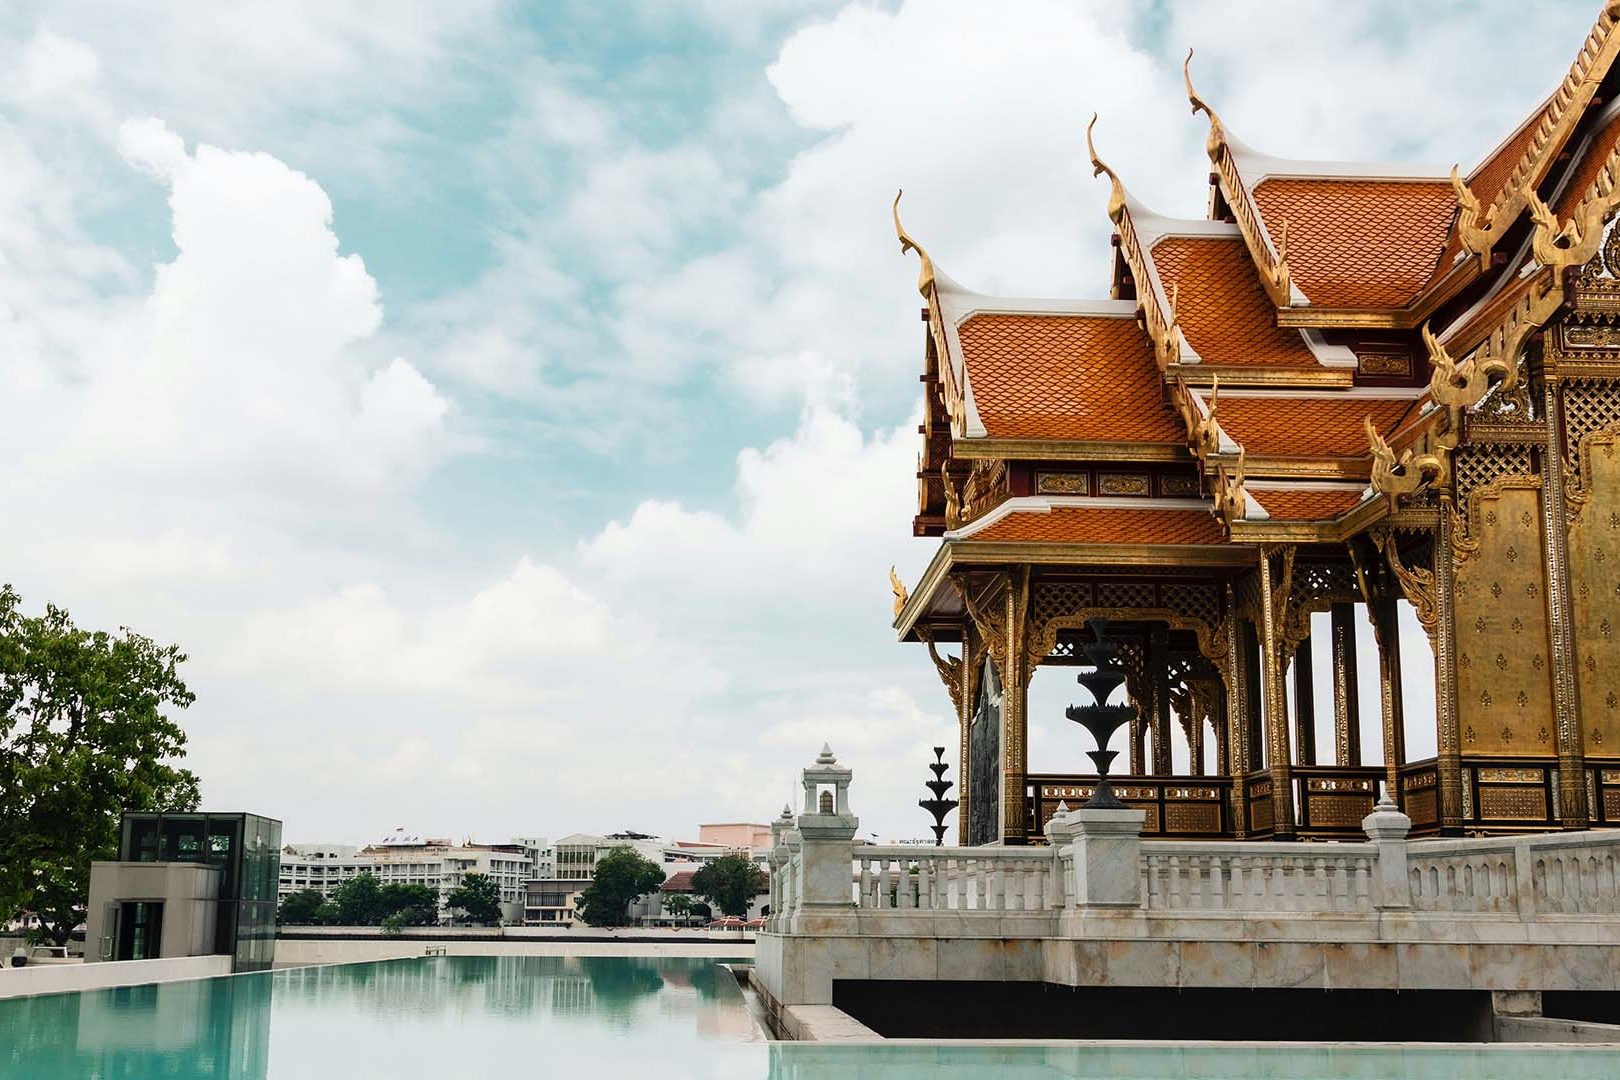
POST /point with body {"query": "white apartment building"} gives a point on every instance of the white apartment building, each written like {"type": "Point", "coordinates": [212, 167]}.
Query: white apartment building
{"type": "Point", "coordinates": [403, 858]}
{"type": "Point", "coordinates": [551, 899]}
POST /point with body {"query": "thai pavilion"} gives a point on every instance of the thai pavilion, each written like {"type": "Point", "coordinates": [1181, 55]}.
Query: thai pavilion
{"type": "Point", "coordinates": [1348, 386]}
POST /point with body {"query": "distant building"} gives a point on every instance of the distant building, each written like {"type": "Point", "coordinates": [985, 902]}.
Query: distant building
{"type": "Point", "coordinates": [403, 858]}
{"type": "Point", "coordinates": [551, 899]}
{"type": "Point", "coordinates": [737, 835]}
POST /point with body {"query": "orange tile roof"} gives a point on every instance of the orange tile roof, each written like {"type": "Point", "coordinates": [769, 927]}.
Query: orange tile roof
{"type": "Point", "coordinates": [1308, 427]}
{"type": "Point", "coordinates": [1306, 504]}
{"type": "Point", "coordinates": [1356, 242]}
{"type": "Point", "coordinates": [1223, 311]}
{"type": "Point", "coordinates": [1486, 182]}
{"type": "Point", "coordinates": [1582, 178]}
{"type": "Point", "coordinates": [1085, 525]}
{"type": "Point", "coordinates": [1066, 377]}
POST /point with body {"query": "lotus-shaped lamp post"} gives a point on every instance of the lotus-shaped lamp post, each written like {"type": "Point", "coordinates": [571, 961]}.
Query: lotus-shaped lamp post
{"type": "Point", "coordinates": [939, 805]}
{"type": "Point", "coordinates": [1101, 718]}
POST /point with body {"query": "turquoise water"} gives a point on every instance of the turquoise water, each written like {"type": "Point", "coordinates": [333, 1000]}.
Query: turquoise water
{"type": "Point", "coordinates": [454, 1017]}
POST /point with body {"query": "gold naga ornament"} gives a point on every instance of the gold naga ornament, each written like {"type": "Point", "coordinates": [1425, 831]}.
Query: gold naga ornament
{"type": "Point", "coordinates": [925, 274]}
{"type": "Point", "coordinates": [1392, 476]}
{"type": "Point", "coordinates": [1231, 501]}
{"type": "Point", "coordinates": [1271, 260]}
{"type": "Point", "coordinates": [900, 593]}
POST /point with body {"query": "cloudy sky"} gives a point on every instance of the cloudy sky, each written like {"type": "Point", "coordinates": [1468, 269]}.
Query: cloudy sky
{"type": "Point", "coordinates": [511, 408]}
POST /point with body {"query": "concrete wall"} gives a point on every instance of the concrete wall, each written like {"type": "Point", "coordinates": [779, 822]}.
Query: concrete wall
{"type": "Point", "coordinates": [295, 953]}
{"type": "Point", "coordinates": [63, 978]}
{"type": "Point", "coordinates": [189, 893]}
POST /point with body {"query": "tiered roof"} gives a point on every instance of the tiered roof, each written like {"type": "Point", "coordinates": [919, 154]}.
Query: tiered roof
{"type": "Point", "coordinates": [1255, 351]}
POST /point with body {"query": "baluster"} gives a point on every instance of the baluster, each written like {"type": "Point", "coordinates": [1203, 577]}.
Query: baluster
{"type": "Point", "coordinates": [1320, 884]}
{"type": "Point", "coordinates": [1217, 883]}
{"type": "Point", "coordinates": [865, 864]}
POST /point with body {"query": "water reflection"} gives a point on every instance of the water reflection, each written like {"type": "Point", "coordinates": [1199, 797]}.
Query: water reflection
{"type": "Point", "coordinates": [486, 1016]}
{"type": "Point", "coordinates": [207, 1028]}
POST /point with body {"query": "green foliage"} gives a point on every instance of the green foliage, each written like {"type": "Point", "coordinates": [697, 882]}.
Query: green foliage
{"type": "Point", "coordinates": [299, 908]}
{"type": "Point", "coordinates": [359, 901]}
{"type": "Point", "coordinates": [621, 877]}
{"type": "Point", "coordinates": [732, 882]}
{"type": "Point", "coordinates": [394, 924]}
{"type": "Point", "coordinates": [408, 905]}
{"type": "Point", "coordinates": [84, 737]}
{"type": "Point", "coordinates": [327, 914]}
{"type": "Point", "coordinates": [478, 897]}
{"type": "Point", "coordinates": [678, 906]}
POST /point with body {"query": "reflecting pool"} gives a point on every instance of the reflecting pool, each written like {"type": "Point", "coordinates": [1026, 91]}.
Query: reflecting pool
{"type": "Point", "coordinates": [452, 1017]}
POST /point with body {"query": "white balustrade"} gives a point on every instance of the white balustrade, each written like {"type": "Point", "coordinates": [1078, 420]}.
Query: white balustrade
{"type": "Point", "coordinates": [1550, 874]}
{"type": "Point", "coordinates": [908, 878]}
{"type": "Point", "coordinates": [1194, 876]}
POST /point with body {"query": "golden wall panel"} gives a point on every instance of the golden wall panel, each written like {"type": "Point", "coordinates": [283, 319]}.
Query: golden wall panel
{"type": "Point", "coordinates": [1512, 804]}
{"type": "Point", "coordinates": [1326, 810]}
{"type": "Point", "coordinates": [1192, 818]}
{"type": "Point", "coordinates": [1594, 564]}
{"type": "Point", "coordinates": [1504, 651]}
{"type": "Point", "coordinates": [1421, 807]}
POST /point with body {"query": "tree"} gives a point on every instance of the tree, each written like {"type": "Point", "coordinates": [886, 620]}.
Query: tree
{"type": "Point", "coordinates": [299, 908]}
{"type": "Point", "coordinates": [328, 915]}
{"type": "Point", "coordinates": [621, 877]}
{"type": "Point", "coordinates": [678, 905]}
{"type": "Point", "coordinates": [479, 897]}
{"type": "Point", "coordinates": [408, 905]}
{"type": "Point", "coordinates": [732, 882]}
{"type": "Point", "coordinates": [359, 901]}
{"type": "Point", "coordinates": [84, 738]}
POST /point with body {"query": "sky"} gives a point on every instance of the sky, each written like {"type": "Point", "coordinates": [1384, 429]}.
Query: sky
{"type": "Point", "coordinates": [511, 409]}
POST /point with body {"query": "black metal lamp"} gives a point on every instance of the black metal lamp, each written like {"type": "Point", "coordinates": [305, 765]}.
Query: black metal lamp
{"type": "Point", "coordinates": [939, 805]}
{"type": "Point", "coordinates": [1101, 718]}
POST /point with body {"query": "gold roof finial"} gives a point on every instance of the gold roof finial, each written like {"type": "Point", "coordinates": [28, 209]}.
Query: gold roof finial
{"type": "Point", "coordinates": [925, 275]}
{"type": "Point", "coordinates": [1216, 132]}
{"type": "Point", "coordinates": [1116, 196]}
{"type": "Point", "coordinates": [900, 593]}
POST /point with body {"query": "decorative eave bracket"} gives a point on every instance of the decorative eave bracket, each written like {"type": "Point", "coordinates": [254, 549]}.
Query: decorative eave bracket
{"type": "Point", "coordinates": [1480, 227]}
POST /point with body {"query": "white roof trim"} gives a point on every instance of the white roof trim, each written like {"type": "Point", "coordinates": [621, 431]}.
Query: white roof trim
{"type": "Point", "coordinates": [1045, 504]}
{"type": "Point", "coordinates": [975, 304]}
{"type": "Point", "coordinates": [1327, 354]}
{"type": "Point", "coordinates": [1256, 167]}
{"type": "Point", "coordinates": [1290, 485]}
{"type": "Point", "coordinates": [947, 292]}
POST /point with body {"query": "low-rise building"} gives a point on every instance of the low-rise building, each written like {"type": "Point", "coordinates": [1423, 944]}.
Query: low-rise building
{"type": "Point", "coordinates": [403, 858]}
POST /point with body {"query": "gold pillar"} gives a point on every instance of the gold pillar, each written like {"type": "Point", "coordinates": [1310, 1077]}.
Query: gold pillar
{"type": "Point", "coordinates": [1237, 720]}
{"type": "Point", "coordinates": [1572, 809]}
{"type": "Point", "coordinates": [1346, 691]}
{"type": "Point", "coordinates": [1448, 729]}
{"type": "Point", "coordinates": [1274, 586]}
{"type": "Point", "coordinates": [1137, 727]}
{"type": "Point", "coordinates": [1198, 711]}
{"type": "Point", "coordinates": [1304, 704]}
{"type": "Point", "coordinates": [1386, 615]}
{"type": "Point", "coordinates": [1158, 677]}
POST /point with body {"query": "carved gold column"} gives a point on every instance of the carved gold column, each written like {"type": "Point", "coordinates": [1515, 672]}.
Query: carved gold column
{"type": "Point", "coordinates": [1158, 677]}
{"type": "Point", "coordinates": [1378, 590]}
{"type": "Point", "coordinates": [1137, 727]}
{"type": "Point", "coordinates": [1196, 718]}
{"type": "Point", "coordinates": [1004, 622]}
{"type": "Point", "coordinates": [1237, 720]}
{"type": "Point", "coordinates": [1274, 586]}
{"type": "Point", "coordinates": [1572, 808]}
{"type": "Point", "coordinates": [1448, 733]}
{"type": "Point", "coordinates": [1346, 691]}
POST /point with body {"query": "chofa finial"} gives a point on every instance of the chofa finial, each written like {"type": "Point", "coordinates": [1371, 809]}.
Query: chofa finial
{"type": "Point", "coordinates": [1116, 196]}
{"type": "Point", "coordinates": [925, 276]}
